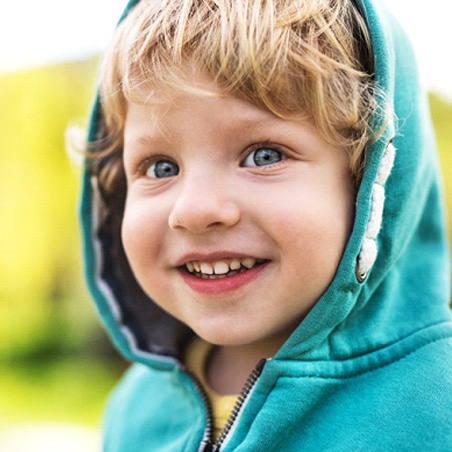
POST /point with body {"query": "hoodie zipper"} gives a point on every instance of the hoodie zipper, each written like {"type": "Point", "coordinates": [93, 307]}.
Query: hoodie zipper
{"type": "Point", "coordinates": [207, 444]}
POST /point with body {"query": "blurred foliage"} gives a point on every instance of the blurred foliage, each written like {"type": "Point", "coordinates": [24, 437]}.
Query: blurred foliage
{"type": "Point", "coordinates": [39, 257]}
{"type": "Point", "coordinates": [55, 361]}
{"type": "Point", "coordinates": [441, 111]}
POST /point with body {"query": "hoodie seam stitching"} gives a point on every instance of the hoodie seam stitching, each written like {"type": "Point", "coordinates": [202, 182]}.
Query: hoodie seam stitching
{"type": "Point", "coordinates": [358, 374]}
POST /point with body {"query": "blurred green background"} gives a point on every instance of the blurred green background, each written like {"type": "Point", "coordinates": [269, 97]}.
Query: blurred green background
{"type": "Point", "coordinates": [56, 364]}
{"type": "Point", "coordinates": [55, 361]}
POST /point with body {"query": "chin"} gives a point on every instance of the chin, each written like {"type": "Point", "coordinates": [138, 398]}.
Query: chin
{"type": "Point", "coordinates": [225, 337]}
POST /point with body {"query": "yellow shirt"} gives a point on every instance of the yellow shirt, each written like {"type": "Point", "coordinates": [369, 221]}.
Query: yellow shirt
{"type": "Point", "coordinates": [222, 405]}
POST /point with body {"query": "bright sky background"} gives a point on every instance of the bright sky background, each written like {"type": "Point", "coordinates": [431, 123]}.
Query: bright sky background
{"type": "Point", "coordinates": [33, 32]}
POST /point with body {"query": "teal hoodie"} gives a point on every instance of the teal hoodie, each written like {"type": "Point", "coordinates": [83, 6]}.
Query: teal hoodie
{"type": "Point", "coordinates": [368, 369]}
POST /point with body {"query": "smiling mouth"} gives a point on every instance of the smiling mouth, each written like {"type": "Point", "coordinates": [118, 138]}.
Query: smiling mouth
{"type": "Point", "coordinates": [222, 268]}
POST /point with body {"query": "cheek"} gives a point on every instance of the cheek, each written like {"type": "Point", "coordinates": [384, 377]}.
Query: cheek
{"type": "Point", "coordinates": [314, 230]}
{"type": "Point", "coordinates": [141, 232]}
{"type": "Point", "coordinates": [130, 229]}
{"type": "Point", "coordinates": [142, 235]}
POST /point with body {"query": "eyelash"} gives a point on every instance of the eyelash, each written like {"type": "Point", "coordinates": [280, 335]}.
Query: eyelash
{"type": "Point", "coordinates": [260, 147]}
{"type": "Point", "coordinates": [147, 164]}
{"type": "Point", "coordinates": [165, 167]}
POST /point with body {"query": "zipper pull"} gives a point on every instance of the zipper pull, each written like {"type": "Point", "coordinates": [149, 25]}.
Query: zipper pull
{"type": "Point", "coordinates": [260, 365]}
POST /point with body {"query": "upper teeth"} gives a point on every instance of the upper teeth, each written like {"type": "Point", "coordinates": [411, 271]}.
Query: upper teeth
{"type": "Point", "coordinates": [220, 267]}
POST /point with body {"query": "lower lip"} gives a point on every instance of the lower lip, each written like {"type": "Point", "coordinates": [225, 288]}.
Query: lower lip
{"type": "Point", "coordinates": [222, 285]}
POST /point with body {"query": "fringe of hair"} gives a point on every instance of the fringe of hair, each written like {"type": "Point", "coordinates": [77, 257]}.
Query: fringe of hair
{"type": "Point", "coordinates": [294, 58]}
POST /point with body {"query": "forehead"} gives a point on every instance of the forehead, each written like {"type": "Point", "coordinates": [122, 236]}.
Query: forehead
{"type": "Point", "coordinates": [181, 83]}
{"type": "Point", "coordinates": [155, 107]}
{"type": "Point", "coordinates": [158, 102]}
{"type": "Point", "coordinates": [185, 115]}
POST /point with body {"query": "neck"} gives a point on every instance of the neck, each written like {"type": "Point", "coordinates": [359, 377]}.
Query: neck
{"type": "Point", "coordinates": [228, 367]}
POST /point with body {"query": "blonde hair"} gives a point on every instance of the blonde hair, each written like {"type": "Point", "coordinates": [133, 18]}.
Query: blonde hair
{"type": "Point", "coordinates": [291, 57]}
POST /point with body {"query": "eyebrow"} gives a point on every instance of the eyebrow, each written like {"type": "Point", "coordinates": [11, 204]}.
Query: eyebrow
{"type": "Point", "coordinates": [145, 140]}
{"type": "Point", "coordinates": [258, 123]}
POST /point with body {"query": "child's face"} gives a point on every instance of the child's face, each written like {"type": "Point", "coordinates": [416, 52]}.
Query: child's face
{"type": "Point", "coordinates": [218, 185]}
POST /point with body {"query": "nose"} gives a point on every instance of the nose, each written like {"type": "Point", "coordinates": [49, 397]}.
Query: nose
{"type": "Point", "coordinates": [205, 202]}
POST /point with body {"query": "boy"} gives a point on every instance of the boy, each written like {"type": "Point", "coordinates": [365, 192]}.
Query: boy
{"type": "Point", "coordinates": [245, 243]}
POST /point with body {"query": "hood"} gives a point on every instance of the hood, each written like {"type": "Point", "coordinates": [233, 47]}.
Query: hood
{"type": "Point", "coordinates": [394, 277]}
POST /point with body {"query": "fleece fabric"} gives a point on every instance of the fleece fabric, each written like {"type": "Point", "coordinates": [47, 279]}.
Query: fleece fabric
{"type": "Point", "coordinates": [369, 368]}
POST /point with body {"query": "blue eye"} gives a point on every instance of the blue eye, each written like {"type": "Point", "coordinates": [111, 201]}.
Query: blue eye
{"type": "Point", "coordinates": [263, 156]}
{"type": "Point", "coordinates": [162, 168]}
